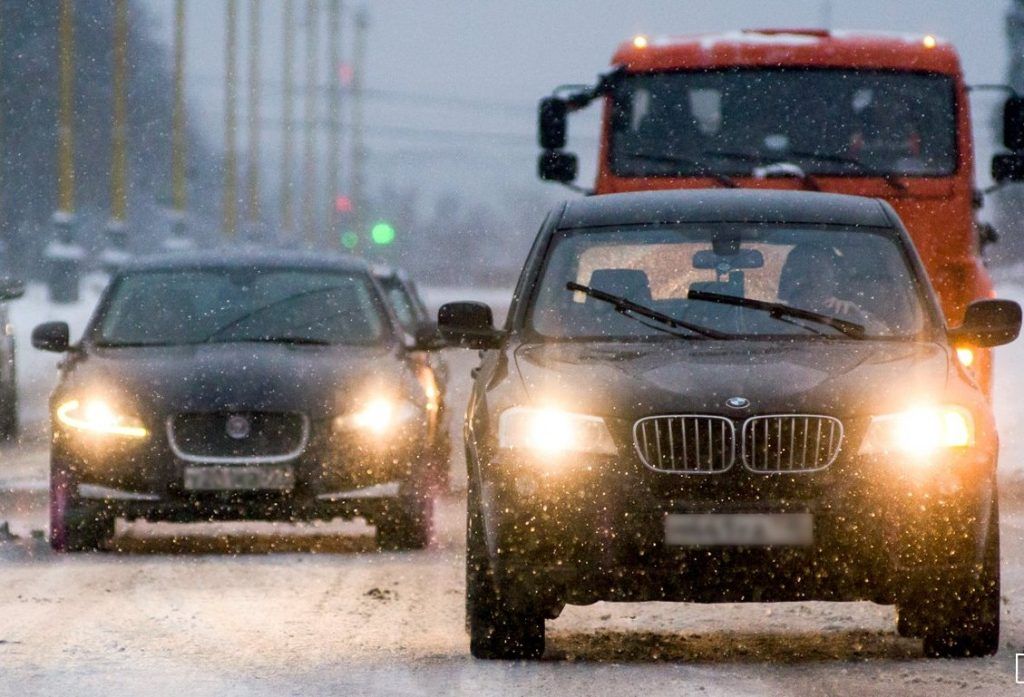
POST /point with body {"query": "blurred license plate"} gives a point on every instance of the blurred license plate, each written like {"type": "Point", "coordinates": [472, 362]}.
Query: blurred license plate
{"type": "Point", "coordinates": [740, 529]}
{"type": "Point", "coordinates": [235, 478]}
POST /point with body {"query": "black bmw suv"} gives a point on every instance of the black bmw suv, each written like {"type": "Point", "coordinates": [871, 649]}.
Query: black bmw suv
{"type": "Point", "coordinates": [729, 396]}
{"type": "Point", "coordinates": [231, 386]}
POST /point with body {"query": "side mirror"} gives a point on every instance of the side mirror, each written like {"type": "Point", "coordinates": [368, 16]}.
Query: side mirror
{"type": "Point", "coordinates": [988, 323]}
{"type": "Point", "coordinates": [469, 325]}
{"type": "Point", "coordinates": [552, 123]}
{"type": "Point", "coordinates": [1007, 167]}
{"type": "Point", "coordinates": [52, 336]}
{"type": "Point", "coordinates": [557, 166]}
{"type": "Point", "coordinates": [1013, 123]}
{"type": "Point", "coordinates": [11, 289]}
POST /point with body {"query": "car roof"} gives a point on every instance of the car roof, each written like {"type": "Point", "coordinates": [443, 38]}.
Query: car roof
{"type": "Point", "coordinates": [725, 206]}
{"type": "Point", "coordinates": [225, 258]}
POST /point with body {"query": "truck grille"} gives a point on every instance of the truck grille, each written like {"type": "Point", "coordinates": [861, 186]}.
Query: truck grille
{"type": "Point", "coordinates": [253, 437]}
{"type": "Point", "coordinates": [791, 443]}
{"type": "Point", "coordinates": [686, 444]}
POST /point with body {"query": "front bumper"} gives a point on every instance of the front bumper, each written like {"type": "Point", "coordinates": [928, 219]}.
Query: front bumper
{"type": "Point", "coordinates": [595, 531]}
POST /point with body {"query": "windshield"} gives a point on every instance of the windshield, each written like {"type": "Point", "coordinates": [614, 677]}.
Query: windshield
{"type": "Point", "coordinates": [231, 305]}
{"type": "Point", "coordinates": [858, 277]}
{"type": "Point", "coordinates": [846, 122]}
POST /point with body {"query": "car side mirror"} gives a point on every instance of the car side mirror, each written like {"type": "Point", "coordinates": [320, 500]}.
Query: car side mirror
{"type": "Point", "coordinates": [552, 123]}
{"type": "Point", "coordinates": [52, 336]}
{"type": "Point", "coordinates": [11, 288]}
{"type": "Point", "coordinates": [1013, 123]}
{"type": "Point", "coordinates": [988, 323]}
{"type": "Point", "coordinates": [469, 325]}
{"type": "Point", "coordinates": [557, 166]}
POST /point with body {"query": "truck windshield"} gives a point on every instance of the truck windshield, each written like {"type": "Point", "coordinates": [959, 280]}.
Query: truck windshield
{"type": "Point", "coordinates": [825, 121]}
{"type": "Point", "coordinates": [859, 277]}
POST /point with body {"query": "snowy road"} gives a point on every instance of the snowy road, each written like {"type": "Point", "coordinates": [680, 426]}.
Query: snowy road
{"type": "Point", "coordinates": [248, 610]}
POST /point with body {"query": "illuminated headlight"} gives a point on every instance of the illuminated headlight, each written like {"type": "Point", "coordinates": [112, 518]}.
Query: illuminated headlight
{"type": "Point", "coordinates": [553, 432]}
{"type": "Point", "coordinates": [378, 417]}
{"type": "Point", "coordinates": [919, 432]}
{"type": "Point", "coordinates": [99, 417]}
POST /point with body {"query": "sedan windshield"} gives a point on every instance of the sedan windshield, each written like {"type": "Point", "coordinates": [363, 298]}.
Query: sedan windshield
{"type": "Point", "coordinates": [732, 122]}
{"type": "Point", "coordinates": [727, 280]}
{"type": "Point", "coordinates": [235, 305]}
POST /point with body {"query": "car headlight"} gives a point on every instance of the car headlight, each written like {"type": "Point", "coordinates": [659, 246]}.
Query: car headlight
{"type": "Point", "coordinates": [553, 432]}
{"type": "Point", "coordinates": [378, 416]}
{"type": "Point", "coordinates": [98, 416]}
{"type": "Point", "coordinates": [919, 432]}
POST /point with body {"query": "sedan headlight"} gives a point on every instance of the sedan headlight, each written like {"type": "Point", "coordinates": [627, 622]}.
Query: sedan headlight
{"type": "Point", "coordinates": [379, 416]}
{"type": "Point", "coordinates": [553, 432]}
{"type": "Point", "coordinates": [919, 432]}
{"type": "Point", "coordinates": [99, 417]}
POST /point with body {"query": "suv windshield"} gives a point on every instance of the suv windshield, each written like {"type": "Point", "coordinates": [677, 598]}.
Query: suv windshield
{"type": "Point", "coordinates": [825, 121]}
{"type": "Point", "coordinates": [858, 277]}
{"type": "Point", "coordinates": [229, 305]}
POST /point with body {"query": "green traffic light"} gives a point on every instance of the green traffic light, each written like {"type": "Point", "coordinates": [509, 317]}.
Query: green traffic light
{"type": "Point", "coordinates": [382, 233]}
{"type": "Point", "coordinates": [349, 239]}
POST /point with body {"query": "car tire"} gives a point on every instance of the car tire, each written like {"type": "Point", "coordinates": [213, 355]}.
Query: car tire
{"type": "Point", "coordinates": [75, 525]}
{"type": "Point", "coordinates": [501, 626]}
{"type": "Point", "coordinates": [967, 622]}
{"type": "Point", "coordinates": [406, 522]}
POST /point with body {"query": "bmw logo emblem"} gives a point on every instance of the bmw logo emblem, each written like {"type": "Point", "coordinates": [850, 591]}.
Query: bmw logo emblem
{"type": "Point", "coordinates": [737, 402]}
{"type": "Point", "coordinates": [238, 427]}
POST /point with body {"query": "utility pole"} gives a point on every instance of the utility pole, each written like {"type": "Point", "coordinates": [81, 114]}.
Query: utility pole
{"type": "Point", "coordinates": [309, 217]}
{"type": "Point", "coordinates": [334, 117]}
{"type": "Point", "coordinates": [230, 223]}
{"type": "Point", "coordinates": [287, 108]}
{"type": "Point", "coordinates": [63, 254]}
{"type": "Point", "coordinates": [115, 252]}
{"type": "Point", "coordinates": [177, 239]}
{"type": "Point", "coordinates": [358, 147]}
{"type": "Point", "coordinates": [253, 168]}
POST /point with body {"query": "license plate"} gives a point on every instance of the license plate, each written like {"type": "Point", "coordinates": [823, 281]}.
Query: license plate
{"type": "Point", "coordinates": [739, 529]}
{"type": "Point", "coordinates": [239, 478]}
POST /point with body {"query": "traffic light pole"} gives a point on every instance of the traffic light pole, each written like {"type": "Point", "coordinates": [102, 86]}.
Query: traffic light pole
{"type": "Point", "coordinates": [116, 250]}
{"type": "Point", "coordinates": [287, 109]}
{"type": "Point", "coordinates": [63, 254]}
{"type": "Point", "coordinates": [253, 216]}
{"type": "Point", "coordinates": [230, 224]}
{"type": "Point", "coordinates": [177, 239]}
{"type": "Point", "coordinates": [334, 117]}
{"type": "Point", "coordinates": [309, 132]}
{"type": "Point", "coordinates": [358, 146]}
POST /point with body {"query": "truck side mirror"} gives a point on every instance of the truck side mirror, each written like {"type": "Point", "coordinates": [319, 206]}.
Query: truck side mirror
{"type": "Point", "coordinates": [1007, 167]}
{"type": "Point", "coordinates": [469, 325]}
{"type": "Point", "coordinates": [552, 123]}
{"type": "Point", "coordinates": [557, 166]}
{"type": "Point", "coordinates": [52, 336]}
{"type": "Point", "coordinates": [11, 288]}
{"type": "Point", "coordinates": [988, 323]}
{"type": "Point", "coordinates": [1013, 123]}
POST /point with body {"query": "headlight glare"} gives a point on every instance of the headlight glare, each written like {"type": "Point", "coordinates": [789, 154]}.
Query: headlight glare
{"type": "Point", "coordinates": [919, 432]}
{"type": "Point", "coordinates": [378, 416]}
{"type": "Point", "coordinates": [553, 432]}
{"type": "Point", "coordinates": [100, 417]}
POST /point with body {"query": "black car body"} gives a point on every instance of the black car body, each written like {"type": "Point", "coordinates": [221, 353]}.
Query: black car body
{"type": "Point", "coordinates": [657, 422]}
{"type": "Point", "coordinates": [402, 294]}
{"type": "Point", "coordinates": [239, 386]}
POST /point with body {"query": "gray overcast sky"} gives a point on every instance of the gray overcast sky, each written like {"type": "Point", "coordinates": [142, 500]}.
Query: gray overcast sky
{"type": "Point", "coordinates": [500, 57]}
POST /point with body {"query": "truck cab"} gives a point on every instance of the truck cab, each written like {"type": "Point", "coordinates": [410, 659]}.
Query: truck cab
{"type": "Point", "coordinates": [870, 114]}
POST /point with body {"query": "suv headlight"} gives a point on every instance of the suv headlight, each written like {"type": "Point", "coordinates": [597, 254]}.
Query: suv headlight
{"type": "Point", "coordinates": [919, 432]}
{"type": "Point", "coordinates": [99, 417]}
{"type": "Point", "coordinates": [553, 432]}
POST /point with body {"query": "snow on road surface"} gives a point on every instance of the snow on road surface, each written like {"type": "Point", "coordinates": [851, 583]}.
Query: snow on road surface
{"type": "Point", "coordinates": [265, 609]}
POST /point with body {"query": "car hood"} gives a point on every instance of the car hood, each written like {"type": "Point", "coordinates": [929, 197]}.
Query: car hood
{"type": "Point", "coordinates": [835, 377]}
{"type": "Point", "coordinates": [236, 376]}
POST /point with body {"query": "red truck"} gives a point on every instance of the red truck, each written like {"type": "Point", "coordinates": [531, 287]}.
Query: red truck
{"type": "Point", "coordinates": [872, 114]}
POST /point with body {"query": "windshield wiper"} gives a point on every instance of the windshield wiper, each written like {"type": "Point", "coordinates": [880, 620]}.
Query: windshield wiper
{"type": "Point", "coordinates": [260, 310]}
{"type": "Point", "coordinates": [778, 311]}
{"type": "Point", "coordinates": [297, 340]}
{"type": "Point", "coordinates": [774, 166]}
{"type": "Point", "coordinates": [700, 169]}
{"type": "Point", "coordinates": [623, 306]}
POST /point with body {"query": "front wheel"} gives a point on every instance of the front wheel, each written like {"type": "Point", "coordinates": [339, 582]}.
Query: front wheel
{"type": "Point", "coordinates": [406, 521]}
{"type": "Point", "coordinates": [75, 525]}
{"type": "Point", "coordinates": [963, 621]}
{"type": "Point", "coordinates": [502, 623]}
